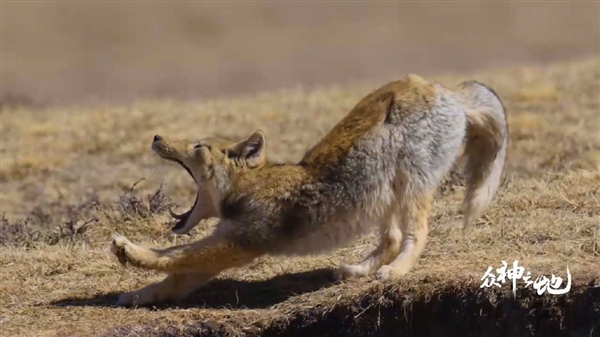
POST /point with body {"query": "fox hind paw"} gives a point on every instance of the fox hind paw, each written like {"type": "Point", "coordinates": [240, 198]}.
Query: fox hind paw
{"type": "Point", "coordinates": [347, 271]}
{"type": "Point", "coordinates": [127, 299]}
{"type": "Point", "coordinates": [386, 272]}
{"type": "Point", "coordinates": [389, 272]}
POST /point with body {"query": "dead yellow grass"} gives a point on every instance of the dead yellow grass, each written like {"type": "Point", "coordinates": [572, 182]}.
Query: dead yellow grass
{"type": "Point", "coordinates": [66, 168]}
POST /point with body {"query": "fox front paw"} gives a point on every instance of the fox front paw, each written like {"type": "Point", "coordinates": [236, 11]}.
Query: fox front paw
{"type": "Point", "coordinates": [120, 248]}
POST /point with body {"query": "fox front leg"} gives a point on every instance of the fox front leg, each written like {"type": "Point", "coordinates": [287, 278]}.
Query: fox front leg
{"type": "Point", "coordinates": [212, 254]}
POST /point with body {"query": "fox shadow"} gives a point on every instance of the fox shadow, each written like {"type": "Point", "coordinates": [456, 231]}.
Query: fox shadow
{"type": "Point", "coordinates": [229, 293]}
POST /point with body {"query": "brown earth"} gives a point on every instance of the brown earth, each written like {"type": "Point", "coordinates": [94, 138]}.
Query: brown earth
{"type": "Point", "coordinates": [96, 52]}
{"type": "Point", "coordinates": [67, 177]}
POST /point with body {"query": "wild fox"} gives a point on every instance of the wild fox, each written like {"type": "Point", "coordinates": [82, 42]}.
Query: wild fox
{"type": "Point", "coordinates": [381, 165]}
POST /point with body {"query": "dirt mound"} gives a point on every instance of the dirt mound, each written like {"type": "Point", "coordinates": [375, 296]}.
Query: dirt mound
{"type": "Point", "coordinates": [402, 310]}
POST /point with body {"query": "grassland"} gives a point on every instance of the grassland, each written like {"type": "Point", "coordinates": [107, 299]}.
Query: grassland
{"type": "Point", "coordinates": [72, 176]}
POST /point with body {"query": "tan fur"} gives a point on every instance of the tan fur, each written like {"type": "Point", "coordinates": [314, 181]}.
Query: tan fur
{"type": "Point", "coordinates": [370, 112]}
{"type": "Point", "coordinates": [380, 165]}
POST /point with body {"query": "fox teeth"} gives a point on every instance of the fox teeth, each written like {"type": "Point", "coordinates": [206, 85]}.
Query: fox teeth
{"type": "Point", "coordinates": [176, 216]}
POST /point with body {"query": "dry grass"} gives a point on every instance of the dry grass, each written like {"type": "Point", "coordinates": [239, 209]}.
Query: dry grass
{"type": "Point", "coordinates": [67, 177]}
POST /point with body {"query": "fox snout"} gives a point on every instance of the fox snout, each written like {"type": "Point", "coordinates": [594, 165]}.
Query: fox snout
{"type": "Point", "coordinates": [159, 145]}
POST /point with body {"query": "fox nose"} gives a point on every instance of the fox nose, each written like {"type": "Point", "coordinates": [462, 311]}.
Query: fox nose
{"type": "Point", "coordinates": [157, 138]}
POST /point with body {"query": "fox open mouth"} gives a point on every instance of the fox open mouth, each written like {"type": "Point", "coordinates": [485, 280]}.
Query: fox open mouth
{"type": "Point", "coordinates": [186, 168]}
{"type": "Point", "coordinates": [186, 221]}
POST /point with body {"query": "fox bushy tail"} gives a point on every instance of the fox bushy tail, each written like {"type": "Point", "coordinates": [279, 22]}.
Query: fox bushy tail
{"type": "Point", "coordinates": [487, 139]}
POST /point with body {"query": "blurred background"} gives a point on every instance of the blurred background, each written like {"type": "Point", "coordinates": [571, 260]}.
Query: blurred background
{"type": "Point", "coordinates": [100, 52]}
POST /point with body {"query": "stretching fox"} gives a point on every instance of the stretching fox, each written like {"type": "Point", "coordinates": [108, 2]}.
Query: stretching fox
{"type": "Point", "coordinates": [380, 165]}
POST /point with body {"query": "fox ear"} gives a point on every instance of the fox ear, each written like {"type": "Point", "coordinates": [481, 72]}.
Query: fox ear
{"type": "Point", "coordinates": [252, 149]}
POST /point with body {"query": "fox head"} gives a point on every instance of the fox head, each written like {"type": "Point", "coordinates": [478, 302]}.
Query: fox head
{"type": "Point", "coordinates": [212, 162]}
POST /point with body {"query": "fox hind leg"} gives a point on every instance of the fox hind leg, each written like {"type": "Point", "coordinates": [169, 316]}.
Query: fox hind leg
{"type": "Point", "coordinates": [388, 248]}
{"type": "Point", "coordinates": [414, 212]}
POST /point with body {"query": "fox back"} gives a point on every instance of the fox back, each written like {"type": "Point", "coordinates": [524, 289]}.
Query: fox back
{"type": "Point", "coordinates": [395, 143]}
